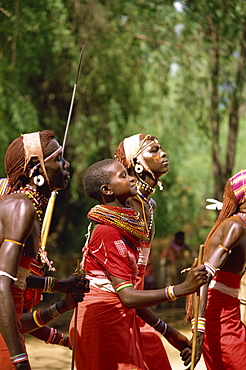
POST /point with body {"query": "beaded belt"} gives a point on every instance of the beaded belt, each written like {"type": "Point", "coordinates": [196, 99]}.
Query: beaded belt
{"type": "Point", "coordinates": [22, 274]}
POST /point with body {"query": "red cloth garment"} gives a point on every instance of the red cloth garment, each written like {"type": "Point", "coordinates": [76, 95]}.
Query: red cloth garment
{"type": "Point", "coordinates": [225, 338]}
{"type": "Point", "coordinates": [32, 297]}
{"type": "Point", "coordinates": [154, 350]}
{"type": "Point", "coordinates": [107, 254]}
{"type": "Point", "coordinates": [18, 298]}
{"type": "Point", "coordinates": [108, 335]}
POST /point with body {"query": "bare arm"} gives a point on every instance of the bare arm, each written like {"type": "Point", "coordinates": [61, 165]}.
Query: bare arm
{"type": "Point", "coordinates": [37, 282]}
{"type": "Point", "coordinates": [132, 298]}
{"type": "Point", "coordinates": [73, 296]}
{"type": "Point", "coordinates": [226, 237]}
{"type": "Point", "coordinates": [18, 226]}
{"type": "Point", "coordinates": [175, 338]}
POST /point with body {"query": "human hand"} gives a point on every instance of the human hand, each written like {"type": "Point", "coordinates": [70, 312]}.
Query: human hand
{"type": "Point", "coordinates": [197, 276]}
{"type": "Point", "coordinates": [74, 280]}
{"type": "Point", "coordinates": [186, 354]}
{"type": "Point", "coordinates": [73, 296]}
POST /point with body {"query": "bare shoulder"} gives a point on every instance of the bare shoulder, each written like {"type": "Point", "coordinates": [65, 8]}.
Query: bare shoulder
{"type": "Point", "coordinates": [232, 231]}
{"type": "Point", "coordinates": [16, 206]}
{"type": "Point", "coordinates": [234, 223]}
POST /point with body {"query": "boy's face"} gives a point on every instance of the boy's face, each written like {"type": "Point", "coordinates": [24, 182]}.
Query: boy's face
{"type": "Point", "coordinates": [122, 185]}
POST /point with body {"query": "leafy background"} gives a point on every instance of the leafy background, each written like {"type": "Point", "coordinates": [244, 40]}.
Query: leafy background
{"type": "Point", "coordinates": [171, 69]}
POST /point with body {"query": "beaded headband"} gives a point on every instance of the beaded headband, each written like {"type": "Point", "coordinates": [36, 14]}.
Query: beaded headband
{"type": "Point", "coordinates": [45, 160]}
{"type": "Point", "coordinates": [238, 184]}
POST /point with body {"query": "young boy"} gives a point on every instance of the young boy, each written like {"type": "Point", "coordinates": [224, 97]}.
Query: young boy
{"type": "Point", "coordinates": [108, 335]}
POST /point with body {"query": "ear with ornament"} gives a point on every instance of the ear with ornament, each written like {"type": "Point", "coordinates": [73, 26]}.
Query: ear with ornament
{"type": "Point", "coordinates": [138, 168]}
{"type": "Point", "coordinates": [38, 180]}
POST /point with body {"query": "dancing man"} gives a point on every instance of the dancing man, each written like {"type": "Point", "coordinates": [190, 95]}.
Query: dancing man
{"type": "Point", "coordinates": [35, 167]}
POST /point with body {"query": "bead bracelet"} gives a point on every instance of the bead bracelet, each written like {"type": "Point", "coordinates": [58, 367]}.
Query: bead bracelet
{"type": "Point", "coordinates": [19, 358]}
{"type": "Point", "coordinates": [170, 293]}
{"type": "Point", "coordinates": [201, 323]}
{"type": "Point", "coordinates": [124, 284]}
{"type": "Point", "coordinates": [160, 326]}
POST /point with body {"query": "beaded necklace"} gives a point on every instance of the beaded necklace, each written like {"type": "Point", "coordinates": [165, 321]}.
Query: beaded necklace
{"type": "Point", "coordinates": [127, 220]}
{"type": "Point", "coordinates": [241, 218]}
{"type": "Point", "coordinates": [142, 198]}
{"type": "Point", "coordinates": [143, 185]}
{"type": "Point", "coordinates": [39, 201]}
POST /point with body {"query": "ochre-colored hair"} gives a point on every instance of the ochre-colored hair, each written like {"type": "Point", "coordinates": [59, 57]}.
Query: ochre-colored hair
{"type": "Point", "coordinates": [14, 161]}
{"type": "Point", "coordinates": [229, 208]}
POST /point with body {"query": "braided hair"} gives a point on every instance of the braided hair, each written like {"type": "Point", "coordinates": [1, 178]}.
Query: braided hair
{"type": "Point", "coordinates": [229, 208]}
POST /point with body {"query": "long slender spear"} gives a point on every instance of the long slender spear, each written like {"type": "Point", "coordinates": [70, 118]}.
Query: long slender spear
{"type": "Point", "coordinates": [51, 203]}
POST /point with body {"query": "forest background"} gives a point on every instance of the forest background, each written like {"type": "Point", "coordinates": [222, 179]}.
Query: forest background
{"type": "Point", "coordinates": [171, 69]}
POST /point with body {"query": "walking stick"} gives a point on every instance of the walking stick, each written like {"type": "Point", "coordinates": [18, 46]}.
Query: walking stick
{"type": "Point", "coordinates": [75, 319]}
{"type": "Point", "coordinates": [197, 303]}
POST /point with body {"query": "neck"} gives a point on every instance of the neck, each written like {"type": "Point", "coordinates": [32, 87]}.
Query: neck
{"type": "Point", "coordinates": [146, 186]}
{"type": "Point", "coordinates": [43, 190]}
{"type": "Point", "coordinates": [115, 203]}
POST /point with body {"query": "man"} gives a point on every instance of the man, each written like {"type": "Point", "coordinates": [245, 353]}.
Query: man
{"type": "Point", "coordinates": [145, 160]}
{"type": "Point", "coordinates": [35, 167]}
{"type": "Point", "coordinates": [225, 255]}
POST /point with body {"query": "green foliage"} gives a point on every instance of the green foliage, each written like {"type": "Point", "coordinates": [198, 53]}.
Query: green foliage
{"type": "Point", "coordinates": [146, 68]}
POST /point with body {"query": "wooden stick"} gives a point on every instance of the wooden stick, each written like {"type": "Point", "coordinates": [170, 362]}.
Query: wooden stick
{"type": "Point", "coordinates": [75, 321]}
{"type": "Point", "coordinates": [197, 303]}
{"type": "Point", "coordinates": [47, 219]}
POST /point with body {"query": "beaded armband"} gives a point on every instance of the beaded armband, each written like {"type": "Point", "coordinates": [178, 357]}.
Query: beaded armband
{"type": "Point", "coordinates": [226, 249]}
{"type": "Point", "coordinates": [37, 318]}
{"type": "Point", "coordinates": [210, 268]}
{"type": "Point", "coordinates": [53, 311]}
{"type": "Point", "coordinates": [3, 273]}
{"type": "Point", "coordinates": [201, 323]}
{"type": "Point", "coordinates": [50, 284]}
{"type": "Point", "coordinates": [160, 326]}
{"type": "Point", "coordinates": [170, 293]}
{"type": "Point", "coordinates": [19, 358]}
{"type": "Point", "coordinates": [124, 284]}
{"type": "Point", "coordinates": [58, 338]}
{"type": "Point", "coordinates": [14, 241]}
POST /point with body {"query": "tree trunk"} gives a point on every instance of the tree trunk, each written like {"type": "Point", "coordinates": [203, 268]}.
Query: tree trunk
{"type": "Point", "coordinates": [221, 172]}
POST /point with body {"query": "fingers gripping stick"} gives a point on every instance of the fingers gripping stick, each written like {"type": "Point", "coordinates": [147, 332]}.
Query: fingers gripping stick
{"type": "Point", "coordinates": [197, 303]}
{"type": "Point", "coordinates": [81, 273]}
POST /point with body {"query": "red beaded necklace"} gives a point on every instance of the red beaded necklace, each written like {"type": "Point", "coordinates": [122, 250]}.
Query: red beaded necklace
{"type": "Point", "coordinates": [39, 201]}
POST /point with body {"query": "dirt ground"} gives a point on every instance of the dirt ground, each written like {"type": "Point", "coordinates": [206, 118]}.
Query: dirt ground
{"type": "Point", "coordinates": [50, 357]}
